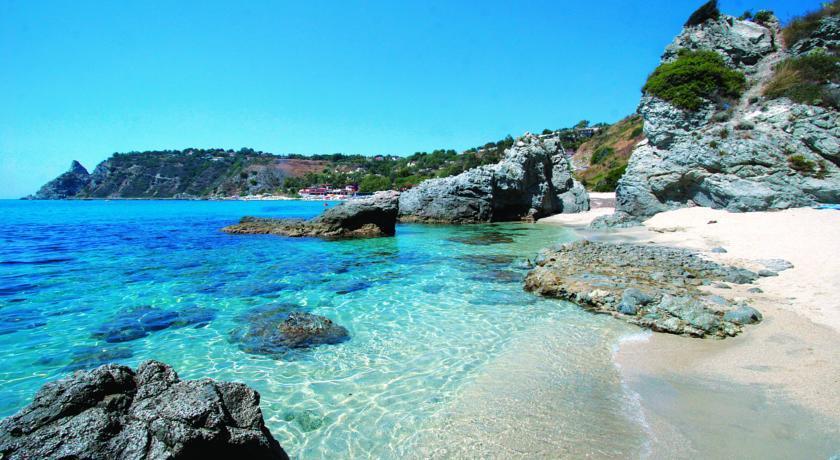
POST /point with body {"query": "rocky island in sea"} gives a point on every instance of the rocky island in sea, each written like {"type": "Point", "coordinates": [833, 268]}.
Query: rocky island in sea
{"type": "Point", "coordinates": [382, 326]}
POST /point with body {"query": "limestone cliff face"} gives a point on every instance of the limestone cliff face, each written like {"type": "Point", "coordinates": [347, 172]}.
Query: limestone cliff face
{"type": "Point", "coordinates": [66, 185]}
{"type": "Point", "coordinates": [534, 179]}
{"type": "Point", "coordinates": [748, 157]}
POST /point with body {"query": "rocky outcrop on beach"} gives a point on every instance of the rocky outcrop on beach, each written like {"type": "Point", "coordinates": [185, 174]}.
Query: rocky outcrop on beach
{"type": "Point", "coordinates": [276, 332]}
{"type": "Point", "coordinates": [66, 185]}
{"type": "Point", "coordinates": [367, 217]}
{"type": "Point", "coordinates": [534, 179]}
{"type": "Point", "coordinates": [114, 412]}
{"type": "Point", "coordinates": [752, 154]}
{"type": "Point", "coordinates": [652, 286]}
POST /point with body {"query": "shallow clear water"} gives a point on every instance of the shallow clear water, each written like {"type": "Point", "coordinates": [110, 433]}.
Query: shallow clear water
{"type": "Point", "coordinates": [433, 323]}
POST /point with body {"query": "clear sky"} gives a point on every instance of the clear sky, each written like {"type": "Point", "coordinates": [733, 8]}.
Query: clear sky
{"type": "Point", "coordinates": [83, 79]}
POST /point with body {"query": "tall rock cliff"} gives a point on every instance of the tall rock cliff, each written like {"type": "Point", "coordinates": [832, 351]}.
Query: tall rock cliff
{"type": "Point", "coordinates": [534, 179]}
{"type": "Point", "coordinates": [747, 154]}
{"type": "Point", "coordinates": [66, 185]}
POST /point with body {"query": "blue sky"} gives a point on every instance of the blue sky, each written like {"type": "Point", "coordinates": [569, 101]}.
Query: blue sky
{"type": "Point", "coordinates": [82, 79]}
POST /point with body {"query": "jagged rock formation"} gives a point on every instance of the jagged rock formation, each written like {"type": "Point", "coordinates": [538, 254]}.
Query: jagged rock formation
{"type": "Point", "coordinates": [654, 287]}
{"type": "Point", "coordinates": [66, 185]}
{"type": "Point", "coordinates": [756, 154]}
{"type": "Point", "coordinates": [534, 179]}
{"type": "Point", "coordinates": [113, 412]}
{"type": "Point", "coordinates": [360, 218]}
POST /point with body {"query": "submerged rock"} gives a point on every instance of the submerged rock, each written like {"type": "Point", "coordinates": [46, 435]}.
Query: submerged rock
{"type": "Point", "coordinates": [276, 332]}
{"type": "Point", "coordinates": [533, 180]}
{"type": "Point", "coordinates": [139, 322]}
{"type": "Point", "coordinates": [360, 218]}
{"type": "Point", "coordinates": [654, 287]}
{"type": "Point", "coordinates": [113, 412]}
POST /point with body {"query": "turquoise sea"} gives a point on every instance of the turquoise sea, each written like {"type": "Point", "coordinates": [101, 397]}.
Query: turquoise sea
{"type": "Point", "coordinates": [436, 316]}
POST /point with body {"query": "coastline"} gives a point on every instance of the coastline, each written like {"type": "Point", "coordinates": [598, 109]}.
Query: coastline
{"type": "Point", "coordinates": [790, 360]}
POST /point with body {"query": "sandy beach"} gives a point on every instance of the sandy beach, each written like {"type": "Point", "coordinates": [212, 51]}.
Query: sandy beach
{"type": "Point", "coordinates": [791, 359]}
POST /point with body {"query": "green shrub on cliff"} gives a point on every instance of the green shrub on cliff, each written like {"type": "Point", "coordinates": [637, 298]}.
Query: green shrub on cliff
{"type": "Point", "coordinates": [708, 11]}
{"type": "Point", "coordinates": [806, 79]}
{"type": "Point", "coordinates": [801, 164]}
{"type": "Point", "coordinates": [804, 26]}
{"type": "Point", "coordinates": [696, 76]}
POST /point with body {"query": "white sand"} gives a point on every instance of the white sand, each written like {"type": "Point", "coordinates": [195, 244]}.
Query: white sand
{"type": "Point", "coordinates": [600, 204]}
{"type": "Point", "coordinates": [795, 351]}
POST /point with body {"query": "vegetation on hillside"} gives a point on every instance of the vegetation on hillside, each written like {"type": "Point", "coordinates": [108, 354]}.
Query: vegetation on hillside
{"type": "Point", "coordinates": [225, 172]}
{"type": "Point", "coordinates": [807, 79]}
{"type": "Point", "coordinates": [694, 78]}
{"type": "Point", "coordinates": [706, 12]}
{"type": "Point", "coordinates": [602, 160]}
{"type": "Point", "coordinates": [804, 26]}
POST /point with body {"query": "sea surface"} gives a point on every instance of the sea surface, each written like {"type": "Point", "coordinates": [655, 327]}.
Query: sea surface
{"type": "Point", "coordinates": [447, 355]}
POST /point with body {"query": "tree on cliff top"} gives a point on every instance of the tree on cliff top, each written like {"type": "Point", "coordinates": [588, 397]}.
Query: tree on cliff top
{"type": "Point", "coordinates": [704, 13]}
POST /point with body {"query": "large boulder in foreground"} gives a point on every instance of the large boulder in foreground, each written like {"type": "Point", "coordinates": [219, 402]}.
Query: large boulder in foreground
{"type": "Point", "coordinates": [652, 286]}
{"type": "Point", "coordinates": [113, 412]}
{"type": "Point", "coordinates": [359, 218]}
{"type": "Point", "coordinates": [533, 180]}
{"type": "Point", "coordinates": [66, 185]}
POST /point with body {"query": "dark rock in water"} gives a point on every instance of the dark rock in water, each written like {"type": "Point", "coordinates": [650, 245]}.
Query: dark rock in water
{"type": "Point", "coordinates": [767, 273]}
{"type": "Point", "coordinates": [483, 238]}
{"type": "Point", "coordinates": [139, 322]}
{"type": "Point", "coordinates": [17, 319]}
{"type": "Point", "coordinates": [488, 259]}
{"type": "Point", "coordinates": [113, 412]}
{"type": "Point", "coordinates": [743, 315]}
{"type": "Point", "coordinates": [498, 276]}
{"type": "Point", "coordinates": [66, 185]}
{"type": "Point", "coordinates": [276, 332]}
{"type": "Point", "coordinates": [432, 288]}
{"type": "Point", "coordinates": [194, 317]}
{"type": "Point", "coordinates": [719, 250]}
{"type": "Point", "coordinates": [652, 286]}
{"type": "Point", "coordinates": [360, 218]}
{"type": "Point", "coordinates": [307, 420]}
{"type": "Point", "coordinates": [534, 179]}
{"type": "Point", "coordinates": [353, 287]}
{"type": "Point", "coordinates": [92, 357]}
{"type": "Point", "coordinates": [755, 290]}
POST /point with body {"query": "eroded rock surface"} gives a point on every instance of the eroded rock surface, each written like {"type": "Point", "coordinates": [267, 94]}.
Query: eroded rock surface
{"type": "Point", "coordinates": [654, 287]}
{"type": "Point", "coordinates": [533, 180]}
{"type": "Point", "coordinates": [113, 412]}
{"type": "Point", "coordinates": [372, 216]}
{"type": "Point", "coordinates": [751, 155]}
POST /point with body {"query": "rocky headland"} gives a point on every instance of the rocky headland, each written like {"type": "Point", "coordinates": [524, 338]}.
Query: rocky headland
{"type": "Point", "coordinates": [114, 412]}
{"type": "Point", "coordinates": [533, 180]}
{"type": "Point", "coordinates": [652, 286]}
{"type": "Point", "coordinates": [67, 185]}
{"type": "Point", "coordinates": [759, 150]}
{"type": "Point", "coordinates": [368, 217]}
